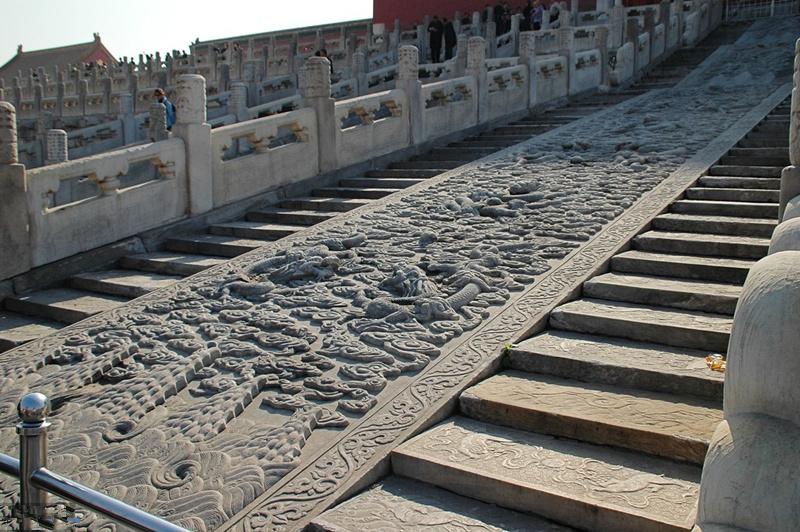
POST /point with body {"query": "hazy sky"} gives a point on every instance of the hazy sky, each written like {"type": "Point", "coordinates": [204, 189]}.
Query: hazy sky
{"type": "Point", "coordinates": [129, 27]}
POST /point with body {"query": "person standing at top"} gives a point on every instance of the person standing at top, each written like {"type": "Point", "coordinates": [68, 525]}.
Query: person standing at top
{"type": "Point", "coordinates": [538, 15]}
{"type": "Point", "coordinates": [450, 39]}
{"type": "Point", "coordinates": [161, 97]}
{"type": "Point", "coordinates": [435, 31]}
{"type": "Point", "coordinates": [324, 53]}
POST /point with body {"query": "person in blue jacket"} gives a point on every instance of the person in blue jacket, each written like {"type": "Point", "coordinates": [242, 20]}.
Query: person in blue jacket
{"type": "Point", "coordinates": [162, 98]}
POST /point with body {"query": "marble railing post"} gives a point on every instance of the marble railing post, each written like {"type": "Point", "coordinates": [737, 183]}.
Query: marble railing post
{"type": "Point", "coordinates": [108, 89]}
{"type": "Point", "coordinates": [546, 19]}
{"type": "Point", "coordinates": [14, 219]}
{"type": "Point", "coordinates": [57, 150]}
{"type": "Point", "coordinates": [461, 54]}
{"type": "Point", "coordinates": [566, 39]}
{"type": "Point", "coordinates": [61, 89]}
{"type": "Point", "coordinates": [515, 20]}
{"type": "Point", "coordinates": [632, 36]}
{"type": "Point", "coordinates": [678, 6]}
{"type": "Point", "coordinates": [573, 12]}
{"type": "Point", "coordinates": [422, 47]}
{"type": "Point", "coordinates": [38, 92]}
{"type": "Point", "coordinates": [358, 72]}
{"type": "Point", "coordinates": [602, 45]}
{"type": "Point", "coordinates": [491, 39]}
{"type": "Point", "coordinates": [476, 67]}
{"type": "Point", "coordinates": [790, 177]}
{"type": "Point", "coordinates": [650, 28]}
{"type": "Point", "coordinates": [527, 57]}
{"type": "Point", "coordinates": [158, 122]}
{"type": "Point", "coordinates": [83, 92]}
{"type": "Point", "coordinates": [237, 103]}
{"type": "Point", "coordinates": [476, 24]}
{"type": "Point", "coordinates": [191, 126]}
{"type": "Point", "coordinates": [250, 75]}
{"type": "Point", "coordinates": [315, 88]}
{"type": "Point", "coordinates": [128, 118]}
{"type": "Point", "coordinates": [749, 479]}
{"type": "Point", "coordinates": [408, 81]}
{"type": "Point", "coordinates": [224, 77]}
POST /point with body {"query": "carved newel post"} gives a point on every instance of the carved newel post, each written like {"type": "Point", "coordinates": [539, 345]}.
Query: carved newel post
{"type": "Point", "coordinates": [476, 67]}
{"type": "Point", "coordinates": [790, 177]}
{"type": "Point", "coordinates": [749, 479]}
{"type": "Point", "coordinates": [237, 103]}
{"type": "Point", "coordinates": [315, 88]}
{"type": "Point", "coordinates": [527, 57]}
{"type": "Point", "coordinates": [408, 81]}
{"type": "Point", "coordinates": [57, 150]}
{"type": "Point", "coordinates": [14, 221]}
{"type": "Point", "coordinates": [158, 122]}
{"type": "Point", "coordinates": [191, 126]}
{"type": "Point", "coordinates": [128, 118]}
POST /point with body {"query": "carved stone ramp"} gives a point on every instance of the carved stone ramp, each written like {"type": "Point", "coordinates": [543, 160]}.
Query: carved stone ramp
{"type": "Point", "coordinates": [601, 422]}
{"type": "Point", "coordinates": [257, 393]}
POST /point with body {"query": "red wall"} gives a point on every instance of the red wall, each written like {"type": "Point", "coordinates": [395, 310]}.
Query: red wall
{"type": "Point", "coordinates": [411, 12]}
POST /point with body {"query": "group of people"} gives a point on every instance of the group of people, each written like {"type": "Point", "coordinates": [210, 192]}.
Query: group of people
{"type": "Point", "coordinates": [442, 31]}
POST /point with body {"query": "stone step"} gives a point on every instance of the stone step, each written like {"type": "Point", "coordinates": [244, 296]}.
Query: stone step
{"type": "Point", "coordinates": [522, 129]}
{"type": "Point", "coordinates": [215, 245]}
{"type": "Point", "coordinates": [764, 183]}
{"type": "Point", "coordinates": [255, 230]}
{"type": "Point", "coordinates": [402, 173]}
{"type": "Point", "coordinates": [618, 362]}
{"type": "Point", "coordinates": [456, 154]}
{"type": "Point", "coordinates": [643, 323]}
{"type": "Point", "coordinates": [17, 329]}
{"type": "Point", "coordinates": [763, 142]}
{"type": "Point", "coordinates": [323, 204]}
{"type": "Point", "coordinates": [401, 504]}
{"type": "Point", "coordinates": [771, 153]}
{"type": "Point", "coordinates": [352, 192]}
{"type": "Point", "coordinates": [732, 160]}
{"type": "Point", "coordinates": [123, 283]}
{"type": "Point", "coordinates": [669, 292]}
{"type": "Point", "coordinates": [483, 143]}
{"type": "Point", "coordinates": [288, 216]}
{"type": "Point", "coordinates": [719, 225]}
{"type": "Point", "coordinates": [62, 304]}
{"type": "Point", "coordinates": [675, 427]}
{"type": "Point", "coordinates": [745, 171]}
{"type": "Point", "coordinates": [515, 138]}
{"type": "Point", "coordinates": [439, 166]}
{"type": "Point", "coordinates": [714, 269]}
{"type": "Point", "coordinates": [726, 208]}
{"type": "Point", "coordinates": [378, 182]}
{"type": "Point", "coordinates": [773, 127]}
{"type": "Point", "coordinates": [170, 263]}
{"type": "Point", "coordinates": [733, 194]}
{"type": "Point", "coordinates": [731, 246]}
{"type": "Point", "coordinates": [582, 485]}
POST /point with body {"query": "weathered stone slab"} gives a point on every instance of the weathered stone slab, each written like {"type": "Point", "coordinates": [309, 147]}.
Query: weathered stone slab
{"type": "Point", "coordinates": [587, 486]}
{"type": "Point", "coordinates": [653, 423]}
{"type": "Point", "coordinates": [402, 505]}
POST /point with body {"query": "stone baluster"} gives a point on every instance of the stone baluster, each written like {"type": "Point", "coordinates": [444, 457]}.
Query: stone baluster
{"type": "Point", "coordinates": [108, 90]}
{"type": "Point", "coordinates": [650, 29]}
{"type": "Point", "coordinates": [566, 48]}
{"type": "Point", "coordinates": [57, 151]}
{"type": "Point", "coordinates": [127, 116]}
{"type": "Point", "coordinates": [83, 94]}
{"type": "Point", "coordinates": [38, 94]}
{"type": "Point", "coordinates": [476, 24]}
{"type": "Point", "coordinates": [461, 53]}
{"type": "Point", "coordinates": [476, 68]}
{"type": "Point", "coordinates": [370, 38]}
{"type": "Point", "coordinates": [527, 57]}
{"type": "Point", "coordinates": [678, 7]}
{"type": "Point", "coordinates": [573, 12]}
{"type": "Point", "coordinates": [790, 177]}
{"type": "Point", "coordinates": [343, 38]}
{"type": "Point", "coordinates": [158, 122]}
{"type": "Point", "coordinates": [632, 36]}
{"type": "Point", "coordinates": [291, 57]}
{"type": "Point", "coordinates": [14, 218]}
{"type": "Point", "coordinates": [237, 103]}
{"type": "Point", "coordinates": [515, 20]}
{"type": "Point", "coordinates": [224, 77]}
{"type": "Point", "coordinates": [191, 126]}
{"type": "Point", "coordinates": [315, 89]}
{"type": "Point", "coordinates": [265, 55]}
{"type": "Point", "coordinates": [489, 16]}
{"type": "Point", "coordinates": [394, 40]}
{"type": "Point", "coordinates": [422, 32]}
{"type": "Point", "coordinates": [17, 92]}
{"type": "Point", "coordinates": [491, 39]}
{"type": "Point", "coordinates": [358, 72]}
{"type": "Point", "coordinates": [602, 45]}
{"type": "Point", "coordinates": [408, 81]}
{"type": "Point", "coordinates": [250, 75]}
{"type": "Point", "coordinates": [320, 40]}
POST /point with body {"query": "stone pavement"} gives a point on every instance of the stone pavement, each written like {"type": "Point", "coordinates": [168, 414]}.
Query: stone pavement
{"type": "Point", "coordinates": [260, 387]}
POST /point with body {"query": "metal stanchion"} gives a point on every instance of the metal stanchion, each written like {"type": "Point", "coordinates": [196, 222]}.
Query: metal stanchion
{"type": "Point", "coordinates": [32, 430]}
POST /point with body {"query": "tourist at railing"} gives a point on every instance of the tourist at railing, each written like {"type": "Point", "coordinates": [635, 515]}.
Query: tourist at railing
{"type": "Point", "coordinates": [435, 32]}
{"type": "Point", "coordinates": [450, 39]}
{"type": "Point", "coordinates": [161, 97]}
{"type": "Point", "coordinates": [537, 16]}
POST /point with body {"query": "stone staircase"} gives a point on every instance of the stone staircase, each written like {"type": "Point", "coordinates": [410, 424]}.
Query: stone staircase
{"type": "Point", "coordinates": [602, 421]}
{"type": "Point", "coordinates": [34, 314]}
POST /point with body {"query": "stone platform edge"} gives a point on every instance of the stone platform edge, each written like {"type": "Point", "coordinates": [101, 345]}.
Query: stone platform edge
{"type": "Point", "coordinates": [360, 456]}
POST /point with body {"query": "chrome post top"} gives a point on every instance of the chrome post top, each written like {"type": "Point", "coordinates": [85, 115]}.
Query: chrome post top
{"type": "Point", "coordinates": [33, 408]}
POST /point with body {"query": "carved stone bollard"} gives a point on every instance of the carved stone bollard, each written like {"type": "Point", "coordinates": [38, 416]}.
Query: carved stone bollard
{"type": "Point", "coordinates": [237, 104]}
{"type": "Point", "coordinates": [749, 478]}
{"type": "Point", "coordinates": [527, 57]}
{"type": "Point", "coordinates": [15, 256]}
{"type": "Point", "coordinates": [57, 151]}
{"type": "Point", "coordinates": [315, 88]}
{"type": "Point", "coordinates": [191, 127]}
{"type": "Point", "coordinates": [476, 67]}
{"type": "Point", "coordinates": [408, 81]}
{"type": "Point", "coordinates": [158, 122]}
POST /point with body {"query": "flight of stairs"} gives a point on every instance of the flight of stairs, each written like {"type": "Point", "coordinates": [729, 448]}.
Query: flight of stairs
{"type": "Point", "coordinates": [602, 422]}
{"type": "Point", "coordinates": [31, 315]}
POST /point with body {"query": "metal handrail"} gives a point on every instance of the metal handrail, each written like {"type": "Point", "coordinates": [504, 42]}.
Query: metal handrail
{"type": "Point", "coordinates": [36, 481]}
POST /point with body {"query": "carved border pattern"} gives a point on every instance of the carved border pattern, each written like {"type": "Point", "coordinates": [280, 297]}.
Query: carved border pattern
{"type": "Point", "coordinates": [310, 490]}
